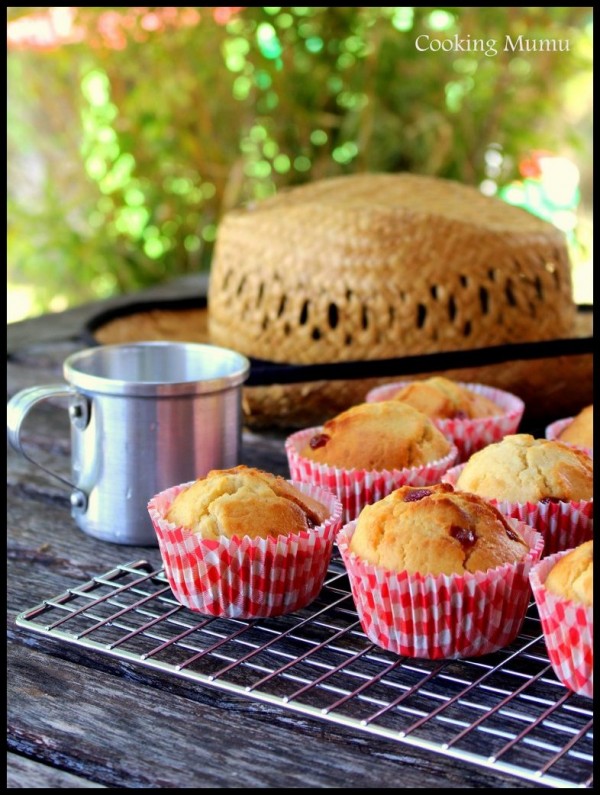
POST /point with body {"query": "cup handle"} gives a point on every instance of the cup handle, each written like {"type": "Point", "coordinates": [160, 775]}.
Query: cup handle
{"type": "Point", "coordinates": [17, 409]}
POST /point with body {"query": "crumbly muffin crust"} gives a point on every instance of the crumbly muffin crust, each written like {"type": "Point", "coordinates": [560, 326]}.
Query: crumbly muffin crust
{"type": "Point", "coordinates": [376, 436]}
{"type": "Point", "coordinates": [435, 530]}
{"type": "Point", "coordinates": [572, 577]}
{"type": "Point", "coordinates": [244, 501]}
{"type": "Point", "coordinates": [581, 430]}
{"type": "Point", "coordinates": [441, 398]}
{"type": "Point", "coordinates": [521, 468]}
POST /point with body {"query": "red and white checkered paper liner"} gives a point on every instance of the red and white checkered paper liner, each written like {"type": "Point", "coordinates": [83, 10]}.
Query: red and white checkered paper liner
{"type": "Point", "coordinates": [469, 435]}
{"type": "Point", "coordinates": [562, 524]}
{"type": "Point", "coordinates": [554, 430]}
{"type": "Point", "coordinates": [568, 631]}
{"type": "Point", "coordinates": [245, 577]}
{"type": "Point", "coordinates": [359, 487]}
{"type": "Point", "coordinates": [441, 616]}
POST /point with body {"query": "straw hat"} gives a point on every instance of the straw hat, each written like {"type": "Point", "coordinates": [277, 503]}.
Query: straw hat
{"type": "Point", "coordinates": [376, 266]}
{"type": "Point", "coordinates": [372, 266]}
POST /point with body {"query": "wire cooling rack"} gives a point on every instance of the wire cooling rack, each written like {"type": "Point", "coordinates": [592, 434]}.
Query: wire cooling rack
{"type": "Point", "coordinates": [506, 711]}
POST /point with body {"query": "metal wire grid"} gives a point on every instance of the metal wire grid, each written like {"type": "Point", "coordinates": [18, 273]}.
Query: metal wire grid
{"type": "Point", "coordinates": [506, 711]}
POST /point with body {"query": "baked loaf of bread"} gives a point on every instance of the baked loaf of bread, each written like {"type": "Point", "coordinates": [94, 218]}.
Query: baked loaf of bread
{"type": "Point", "coordinates": [435, 530]}
{"type": "Point", "coordinates": [370, 266]}
{"type": "Point", "coordinates": [521, 468]}
{"type": "Point", "coordinates": [572, 577]}
{"type": "Point", "coordinates": [581, 430]}
{"type": "Point", "coordinates": [243, 501]}
{"type": "Point", "coordinates": [440, 398]}
{"type": "Point", "coordinates": [376, 436]}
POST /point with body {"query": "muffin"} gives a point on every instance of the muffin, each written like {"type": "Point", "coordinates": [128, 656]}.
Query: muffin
{"type": "Point", "coordinates": [544, 483]}
{"type": "Point", "coordinates": [577, 431]}
{"type": "Point", "coordinates": [440, 398]}
{"type": "Point", "coordinates": [572, 577]}
{"type": "Point", "coordinates": [522, 468]}
{"type": "Point", "coordinates": [438, 573]}
{"type": "Point", "coordinates": [377, 436]}
{"type": "Point", "coordinates": [472, 415]}
{"type": "Point", "coordinates": [562, 586]}
{"type": "Point", "coordinates": [435, 531]}
{"type": "Point", "coordinates": [245, 501]}
{"type": "Point", "coordinates": [244, 543]}
{"type": "Point", "coordinates": [368, 451]}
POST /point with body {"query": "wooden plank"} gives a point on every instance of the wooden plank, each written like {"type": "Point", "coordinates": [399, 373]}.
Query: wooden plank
{"type": "Point", "coordinates": [26, 773]}
{"type": "Point", "coordinates": [139, 730]}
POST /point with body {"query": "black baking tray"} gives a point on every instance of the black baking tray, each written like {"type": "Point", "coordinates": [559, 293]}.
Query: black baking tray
{"type": "Point", "coordinates": [266, 373]}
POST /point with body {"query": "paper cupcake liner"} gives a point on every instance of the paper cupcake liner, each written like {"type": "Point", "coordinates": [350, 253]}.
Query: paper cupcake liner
{"type": "Point", "coordinates": [563, 525]}
{"type": "Point", "coordinates": [356, 488]}
{"type": "Point", "coordinates": [441, 616]}
{"type": "Point", "coordinates": [469, 435]}
{"type": "Point", "coordinates": [245, 577]}
{"type": "Point", "coordinates": [568, 631]}
{"type": "Point", "coordinates": [554, 430]}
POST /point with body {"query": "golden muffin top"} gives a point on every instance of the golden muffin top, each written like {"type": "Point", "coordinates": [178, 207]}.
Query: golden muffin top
{"type": "Point", "coordinates": [376, 436]}
{"type": "Point", "coordinates": [581, 430]}
{"type": "Point", "coordinates": [244, 501]}
{"type": "Point", "coordinates": [435, 530]}
{"type": "Point", "coordinates": [572, 576]}
{"type": "Point", "coordinates": [521, 468]}
{"type": "Point", "coordinates": [441, 398]}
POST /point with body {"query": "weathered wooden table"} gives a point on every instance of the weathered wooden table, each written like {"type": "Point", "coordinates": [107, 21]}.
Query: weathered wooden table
{"type": "Point", "coordinates": [85, 715]}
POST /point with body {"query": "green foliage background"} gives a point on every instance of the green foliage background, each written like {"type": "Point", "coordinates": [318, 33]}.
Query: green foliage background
{"type": "Point", "coordinates": [122, 160]}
